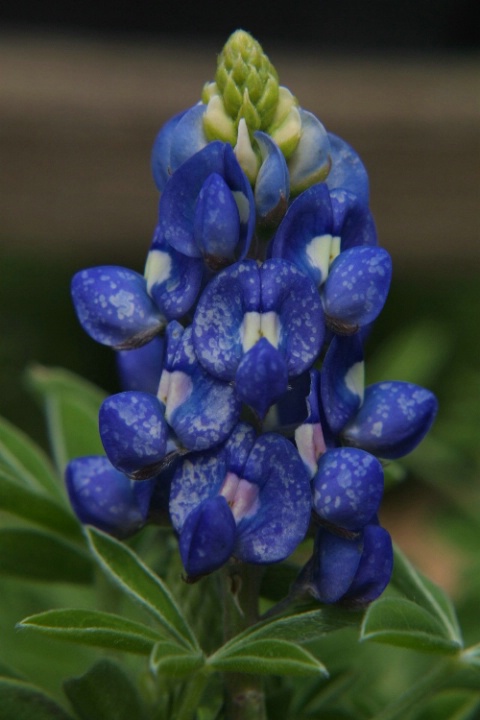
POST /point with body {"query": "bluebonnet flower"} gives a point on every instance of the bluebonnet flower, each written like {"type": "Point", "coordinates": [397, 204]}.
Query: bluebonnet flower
{"type": "Point", "coordinates": [351, 570]}
{"type": "Point", "coordinates": [263, 277]}
{"type": "Point", "coordinates": [249, 499]}
{"type": "Point", "coordinates": [255, 322]}
{"type": "Point", "coordinates": [387, 419]}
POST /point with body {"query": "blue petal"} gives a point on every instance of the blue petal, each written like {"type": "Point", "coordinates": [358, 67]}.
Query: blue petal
{"type": "Point", "coordinates": [114, 308]}
{"type": "Point", "coordinates": [348, 487]}
{"type": "Point", "coordinates": [261, 377]}
{"type": "Point", "coordinates": [334, 565]}
{"type": "Point", "coordinates": [161, 164]}
{"type": "Point", "coordinates": [133, 431]}
{"type": "Point", "coordinates": [290, 294]}
{"type": "Point", "coordinates": [342, 381]}
{"type": "Point", "coordinates": [177, 203]}
{"type": "Point", "coordinates": [207, 537]}
{"type": "Point", "coordinates": [352, 220]}
{"type": "Point", "coordinates": [217, 325]}
{"type": "Point", "coordinates": [200, 475]}
{"type": "Point", "coordinates": [141, 369]}
{"type": "Point", "coordinates": [310, 162]}
{"type": "Point", "coordinates": [105, 498]}
{"type": "Point", "coordinates": [201, 409]}
{"type": "Point", "coordinates": [290, 410]}
{"type": "Point", "coordinates": [173, 280]}
{"type": "Point", "coordinates": [189, 136]}
{"type": "Point", "coordinates": [272, 186]}
{"type": "Point", "coordinates": [309, 219]}
{"type": "Point", "coordinates": [281, 518]}
{"type": "Point", "coordinates": [216, 226]}
{"type": "Point", "coordinates": [394, 418]}
{"type": "Point", "coordinates": [374, 570]}
{"type": "Point", "coordinates": [357, 287]}
{"type": "Point", "coordinates": [347, 170]}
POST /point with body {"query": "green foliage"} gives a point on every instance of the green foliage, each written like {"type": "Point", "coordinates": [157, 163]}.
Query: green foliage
{"type": "Point", "coordinates": [105, 691]}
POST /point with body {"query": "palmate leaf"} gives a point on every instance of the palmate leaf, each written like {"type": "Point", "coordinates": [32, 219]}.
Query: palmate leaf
{"type": "Point", "coordinates": [423, 619]}
{"type": "Point", "coordinates": [169, 658]}
{"type": "Point", "coordinates": [38, 555]}
{"type": "Point", "coordinates": [25, 461]}
{"type": "Point", "coordinates": [71, 406]}
{"type": "Point", "coordinates": [266, 657]}
{"type": "Point", "coordinates": [91, 627]}
{"type": "Point", "coordinates": [105, 691]}
{"type": "Point", "coordinates": [36, 507]}
{"type": "Point", "coordinates": [22, 701]}
{"type": "Point", "coordinates": [137, 581]}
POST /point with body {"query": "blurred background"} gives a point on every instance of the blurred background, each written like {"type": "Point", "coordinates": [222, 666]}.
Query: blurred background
{"type": "Point", "coordinates": [83, 92]}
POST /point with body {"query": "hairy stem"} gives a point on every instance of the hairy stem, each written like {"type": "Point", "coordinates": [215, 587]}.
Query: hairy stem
{"type": "Point", "coordinates": [245, 693]}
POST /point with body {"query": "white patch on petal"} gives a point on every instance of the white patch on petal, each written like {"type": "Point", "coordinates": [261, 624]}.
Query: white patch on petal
{"type": "Point", "coordinates": [310, 445]}
{"type": "Point", "coordinates": [241, 496]}
{"type": "Point", "coordinates": [250, 330]}
{"type": "Point", "coordinates": [355, 379]}
{"type": "Point", "coordinates": [242, 205]}
{"type": "Point", "coordinates": [322, 251]}
{"type": "Point", "coordinates": [179, 390]}
{"type": "Point", "coordinates": [377, 428]}
{"type": "Point", "coordinates": [157, 268]}
{"type": "Point", "coordinates": [270, 327]}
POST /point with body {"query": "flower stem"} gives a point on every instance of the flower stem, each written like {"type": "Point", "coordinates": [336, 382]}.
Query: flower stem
{"type": "Point", "coordinates": [191, 696]}
{"type": "Point", "coordinates": [245, 693]}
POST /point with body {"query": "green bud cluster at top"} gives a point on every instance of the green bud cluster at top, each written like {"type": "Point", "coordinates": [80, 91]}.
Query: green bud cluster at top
{"type": "Point", "coordinates": [246, 88]}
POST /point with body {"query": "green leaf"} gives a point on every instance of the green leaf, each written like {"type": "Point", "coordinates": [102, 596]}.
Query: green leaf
{"type": "Point", "coordinates": [451, 705]}
{"type": "Point", "coordinates": [91, 627]}
{"type": "Point", "coordinates": [126, 569]}
{"type": "Point", "coordinates": [266, 657]}
{"type": "Point", "coordinates": [471, 656]}
{"type": "Point", "coordinates": [397, 621]}
{"type": "Point", "coordinates": [172, 659]}
{"type": "Point", "coordinates": [425, 593]}
{"type": "Point", "coordinates": [25, 460]}
{"type": "Point", "coordinates": [22, 701]}
{"type": "Point", "coordinates": [36, 555]}
{"type": "Point", "coordinates": [105, 692]}
{"type": "Point", "coordinates": [36, 507]}
{"type": "Point", "coordinates": [71, 406]}
{"type": "Point", "coordinates": [300, 627]}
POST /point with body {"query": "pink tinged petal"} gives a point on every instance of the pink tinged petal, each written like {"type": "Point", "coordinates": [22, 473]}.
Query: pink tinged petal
{"type": "Point", "coordinates": [241, 496]}
{"type": "Point", "coordinates": [282, 513]}
{"type": "Point", "coordinates": [310, 445]}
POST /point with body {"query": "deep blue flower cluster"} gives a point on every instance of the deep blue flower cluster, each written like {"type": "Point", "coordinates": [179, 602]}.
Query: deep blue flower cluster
{"type": "Point", "coordinates": [244, 419]}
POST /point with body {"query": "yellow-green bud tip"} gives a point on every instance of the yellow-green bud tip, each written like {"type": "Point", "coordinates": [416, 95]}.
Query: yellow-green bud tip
{"type": "Point", "coordinates": [247, 81]}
